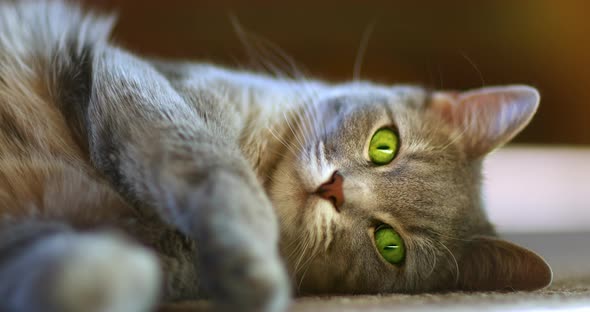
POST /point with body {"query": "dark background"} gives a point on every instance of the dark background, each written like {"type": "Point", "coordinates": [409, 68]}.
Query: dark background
{"type": "Point", "coordinates": [440, 44]}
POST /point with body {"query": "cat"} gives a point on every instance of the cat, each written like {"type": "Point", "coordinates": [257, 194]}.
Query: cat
{"type": "Point", "coordinates": [127, 181]}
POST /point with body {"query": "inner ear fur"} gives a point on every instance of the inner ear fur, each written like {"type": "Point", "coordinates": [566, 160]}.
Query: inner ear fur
{"type": "Point", "coordinates": [486, 118]}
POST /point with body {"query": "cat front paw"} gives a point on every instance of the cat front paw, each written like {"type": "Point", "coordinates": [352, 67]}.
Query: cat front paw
{"type": "Point", "coordinates": [103, 272]}
{"type": "Point", "coordinates": [247, 281]}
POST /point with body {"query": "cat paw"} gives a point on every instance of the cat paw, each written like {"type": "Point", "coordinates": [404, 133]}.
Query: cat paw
{"type": "Point", "coordinates": [250, 283]}
{"type": "Point", "coordinates": [103, 272]}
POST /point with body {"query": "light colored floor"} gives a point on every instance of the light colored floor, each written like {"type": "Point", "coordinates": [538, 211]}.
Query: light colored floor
{"type": "Point", "coordinates": [567, 253]}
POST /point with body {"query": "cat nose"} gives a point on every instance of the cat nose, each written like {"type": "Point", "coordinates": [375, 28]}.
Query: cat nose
{"type": "Point", "coordinates": [332, 190]}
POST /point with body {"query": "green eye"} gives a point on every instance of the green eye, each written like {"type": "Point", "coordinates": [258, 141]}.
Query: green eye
{"type": "Point", "coordinates": [383, 146]}
{"type": "Point", "coordinates": [390, 244]}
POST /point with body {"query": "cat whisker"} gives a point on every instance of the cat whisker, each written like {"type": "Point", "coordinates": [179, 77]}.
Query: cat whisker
{"type": "Point", "coordinates": [294, 246]}
{"type": "Point", "coordinates": [440, 78]}
{"type": "Point", "coordinates": [472, 63]}
{"type": "Point", "coordinates": [268, 56]}
{"type": "Point", "coordinates": [432, 252]}
{"type": "Point", "coordinates": [280, 140]}
{"type": "Point", "coordinates": [364, 43]}
{"type": "Point", "coordinates": [308, 265]}
{"type": "Point", "coordinates": [304, 122]}
{"type": "Point", "coordinates": [323, 234]}
{"type": "Point", "coordinates": [280, 56]}
{"type": "Point", "coordinates": [314, 251]}
{"type": "Point", "coordinates": [308, 111]}
{"type": "Point", "coordinates": [295, 134]}
{"type": "Point", "coordinates": [294, 243]}
{"type": "Point", "coordinates": [454, 261]}
{"type": "Point", "coordinates": [313, 244]}
{"type": "Point", "coordinates": [301, 256]}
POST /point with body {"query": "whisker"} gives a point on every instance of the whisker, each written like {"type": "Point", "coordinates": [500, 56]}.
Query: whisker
{"type": "Point", "coordinates": [440, 77]}
{"type": "Point", "coordinates": [301, 256]}
{"type": "Point", "coordinates": [267, 55]}
{"type": "Point", "coordinates": [308, 265]}
{"type": "Point", "coordinates": [358, 62]}
{"type": "Point", "coordinates": [431, 251]}
{"type": "Point", "coordinates": [472, 63]}
{"type": "Point", "coordinates": [454, 260]}
{"type": "Point", "coordinates": [295, 134]}
{"type": "Point", "coordinates": [287, 145]}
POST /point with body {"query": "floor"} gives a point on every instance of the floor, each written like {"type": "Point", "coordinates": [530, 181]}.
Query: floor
{"type": "Point", "coordinates": [567, 253]}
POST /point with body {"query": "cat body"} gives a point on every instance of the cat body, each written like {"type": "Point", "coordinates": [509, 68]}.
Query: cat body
{"type": "Point", "coordinates": [125, 179]}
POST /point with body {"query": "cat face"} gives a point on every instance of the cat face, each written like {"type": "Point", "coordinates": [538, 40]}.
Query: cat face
{"type": "Point", "coordinates": [428, 194]}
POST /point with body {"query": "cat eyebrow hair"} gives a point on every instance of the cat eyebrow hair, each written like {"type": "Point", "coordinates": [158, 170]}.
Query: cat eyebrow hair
{"type": "Point", "coordinates": [418, 157]}
{"type": "Point", "coordinates": [419, 230]}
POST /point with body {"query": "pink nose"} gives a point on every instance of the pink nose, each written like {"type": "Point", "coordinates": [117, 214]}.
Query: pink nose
{"type": "Point", "coordinates": [332, 191]}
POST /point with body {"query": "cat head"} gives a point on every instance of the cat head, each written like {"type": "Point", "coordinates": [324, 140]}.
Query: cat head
{"type": "Point", "coordinates": [380, 191]}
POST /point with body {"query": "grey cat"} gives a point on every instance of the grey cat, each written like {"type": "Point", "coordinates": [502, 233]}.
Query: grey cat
{"type": "Point", "coordinates": [127, 181]}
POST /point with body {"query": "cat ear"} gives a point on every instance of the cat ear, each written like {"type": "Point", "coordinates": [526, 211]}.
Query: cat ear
{"type": "Point", "coordinates": [494, 264]}
{"type": "Point", "coordinates": [487, 117]}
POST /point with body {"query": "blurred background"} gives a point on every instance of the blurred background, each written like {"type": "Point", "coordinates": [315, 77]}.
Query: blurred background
{"type": "Point", "coordinates": [452, 44]}
{"type": "Point", "coordinates": [448, 44]}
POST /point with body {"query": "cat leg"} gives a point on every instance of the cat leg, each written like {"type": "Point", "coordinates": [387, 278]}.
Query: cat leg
{"type": "Point", "coordinates": [236, 234]}
{"type": "Point", "coordinates": [46, 267]}
{"type": "Point", "coordinates": [160, 153]}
